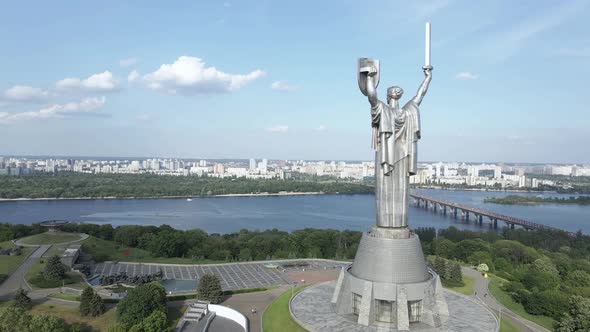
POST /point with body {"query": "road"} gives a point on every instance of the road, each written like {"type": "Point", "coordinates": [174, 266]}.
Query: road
{"type": "Point", "coordinates": [481, 288]}
{"type": "Point", "coordinates": [16, 279]}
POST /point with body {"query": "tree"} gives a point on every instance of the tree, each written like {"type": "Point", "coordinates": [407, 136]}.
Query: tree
{"type": "Point", "coordinates": [578, 278]}
{"type": "Point", "coordinates": [91, 304]}
{"type": "Point", "coordinates": [117, 327]}
{"type": "Point", "coordinates": [22, 300]}
{"type": "Point", "coordinates": [577, 317]}
{"type": "Point", "coordinates": [47, 323]}
{"type": "Point", "coordinates": [54, 269]}
{"type": "Point", "coordinates": [209, 288]}
{"type": "Point", "coordinates": [155, 322]}
{"type": "Point", "coordinates": [13, 319]}
{"type": "Point", "coordinates": [140, 302]}
{"type": "Point", "coordinates": [455, 274]}
{"type": "Point", "coordinates": [440, 266]}
{"type": "Point", "coordinates": [483, 268]}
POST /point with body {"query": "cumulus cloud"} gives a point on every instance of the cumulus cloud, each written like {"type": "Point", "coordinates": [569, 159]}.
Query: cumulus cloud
{"type": "Point", "coordinates": [87, 106]}
{"type": "Point", "coordinates": [104, 81]}
{"type": "Point", "coordinates": [321, 128]}
{"type": "Point", "coordinates": [128, 62]}
{"type": "Point", "coordinates": [278, 129]}
{"type": "Point", "coordinates": [465, 76]}
{"type": "Point", "coordinates": [189, 76]}
{"type": "Point", "coordinates": [133, 76]}
{"type": "Point", "coordinates": [23, 93]}
{"type": "Point", "coordinates": [282, 86]}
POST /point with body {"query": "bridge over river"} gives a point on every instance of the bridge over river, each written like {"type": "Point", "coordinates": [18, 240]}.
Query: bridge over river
{"type": "Point", "coordinates": [456, 209]}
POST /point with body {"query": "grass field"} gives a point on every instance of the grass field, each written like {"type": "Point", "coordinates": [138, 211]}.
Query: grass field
{"type": "Point", "coordinates": [467, 289]}
{"type": "Point", "coordinates": [65, 296]}
{"type": "Point", "coordinates": [276, 317]}
{"type": "Point", "coordinates": [9, 263]}
{"type": "Point", "coordinates": [174, 314]}
{"type": "Point", "coordinates": [72, 315]}
{"type": "Point", "coordinates": [50, 238]}
{"type": "Point", "coordinates": [506, 326]}
{"type": "Point", "coordinates": [507, 301]}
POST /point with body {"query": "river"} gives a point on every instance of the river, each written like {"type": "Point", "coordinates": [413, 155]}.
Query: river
{"type": "Point", "coordinates": [230, 214]}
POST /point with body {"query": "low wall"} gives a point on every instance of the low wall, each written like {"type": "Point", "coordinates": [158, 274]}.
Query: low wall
{"type": "Point", "coordinates": [228, 313]}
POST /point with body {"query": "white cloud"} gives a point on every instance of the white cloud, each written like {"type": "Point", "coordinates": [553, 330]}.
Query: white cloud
{"type": "Point", "coordinates": [133, 76]}
{"type": "Point", "coordinates": [427, 9]}
{"type": "Point", "coordinates": [278, 129]}
{"type": "Point", "coordinates": [282, 86]}
{"type": "Point", "coordinates": [88, 106]}
{"type": "Point", "coordinates": [128, 62]}
{"type": "Point", "coordinates": [104, 81]}
{"type": "Point", "coordinates": [465, 76]}
{"type": "Point", "coordinates": [25, 93]}
{"type": "Point", "coordinates": [189, 76]}
{"type": "Point", "coordinates": [321, 128]}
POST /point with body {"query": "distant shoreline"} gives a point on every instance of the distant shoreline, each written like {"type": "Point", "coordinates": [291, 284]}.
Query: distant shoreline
{"type": "Point", "coordinates": [169, 197]}
{"type": "Point", "coordinates": [490, 189]}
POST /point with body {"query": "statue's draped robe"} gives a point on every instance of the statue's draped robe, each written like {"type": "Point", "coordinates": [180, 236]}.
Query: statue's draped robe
{"type": "Point", "coordinates": [395, 135]}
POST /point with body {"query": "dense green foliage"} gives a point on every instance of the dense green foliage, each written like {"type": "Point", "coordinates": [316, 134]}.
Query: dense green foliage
{"type": "Point", "coordinates": [165, 241]}
{"type": "Point", "coordinates": [54, 269]}
{"type": "Point", "coordinates": [209, 288]}
{"type": "Point", "coordinates": [73, 185]}
{"type": "Point", "coordinates": [156, 322]}
{"type": "Point", "coordinates": [577, 316]}
{"type": "Point", "coordinates": [519, 199]}
{"type": "Point", "coordinates": [448, 270]}
{"type": "Point", "coordinates": [91, 304]}
{"type": "Point", "coordinates": [21, 299]}
{"type": "Point", "coordinates": [544, 269]}
{"type": "Point", "coordinates": [140, 303]}
{"type": "Point", "coordinates": [16, 231]}
{"type": "Point", "coordinates": [15, 319]}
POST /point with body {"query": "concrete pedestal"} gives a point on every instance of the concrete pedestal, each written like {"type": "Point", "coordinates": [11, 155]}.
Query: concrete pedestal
{"type": "Point", "coordinates": [389, 283]}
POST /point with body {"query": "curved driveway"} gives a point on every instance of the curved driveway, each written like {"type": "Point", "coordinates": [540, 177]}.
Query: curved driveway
{"type": "Point", "coordinates": [17, 278]}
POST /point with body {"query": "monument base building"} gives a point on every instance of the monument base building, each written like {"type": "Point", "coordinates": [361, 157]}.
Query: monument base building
{"type": "Point", "coordinates": [389, 283]}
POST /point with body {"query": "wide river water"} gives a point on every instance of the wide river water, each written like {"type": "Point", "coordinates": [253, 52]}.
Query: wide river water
{"type": "Point", "coordinates": [230, 214]}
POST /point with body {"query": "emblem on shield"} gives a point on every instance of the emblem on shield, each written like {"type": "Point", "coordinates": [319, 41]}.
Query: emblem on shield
{"type": "Point", "coordinates": [367, 66]}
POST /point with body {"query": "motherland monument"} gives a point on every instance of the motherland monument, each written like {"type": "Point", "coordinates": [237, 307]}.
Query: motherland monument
{"type": "Point", "coordinates": [388, 284]}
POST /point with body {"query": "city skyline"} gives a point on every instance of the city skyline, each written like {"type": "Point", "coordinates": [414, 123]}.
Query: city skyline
{"type": "Point", "coordinates": [233, 79]}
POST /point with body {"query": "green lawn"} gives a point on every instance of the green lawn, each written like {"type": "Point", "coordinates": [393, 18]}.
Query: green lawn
{"type": "Point", "coordinates": [174, 314]}
{"type": "Point", "coordinates": [9, 263]}
{"type": "Point", "coordinates": [35, 278]}
{"type": "Point", "coordinates": [65, 296]}
{"type": "Point", "coordinates": [276, 317]}
{"type": "Point", "coordinates": [507, 301]}
{"type": "Point", "coordinates": [506, 326]}
{"type": "Point", "coordinates": [51, 238]}
{"type": "Point", "coordinates": [72, 315]}
{"type": "Point", "coordinates": [467, 289]}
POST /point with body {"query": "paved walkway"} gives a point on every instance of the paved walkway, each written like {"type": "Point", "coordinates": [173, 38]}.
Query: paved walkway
{"type": "Point", "coordinates": [312, 309]}
{"type": "Point", "coordinates": [16, 279]}
{"type": "Point", "coordinates": [481, 288]}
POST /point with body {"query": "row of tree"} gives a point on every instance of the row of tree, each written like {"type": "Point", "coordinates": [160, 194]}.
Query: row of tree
{"type": "Point", "coordinates": [72, 185]}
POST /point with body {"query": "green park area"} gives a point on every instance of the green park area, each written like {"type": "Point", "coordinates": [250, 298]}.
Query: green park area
{"type": "Point", "coordinates": [495, 288]}
{"type": "Point", "coordinates": [10, 263]}
{"type": "Point", "coordinates": [71, 315]}
{"type": "Point", "coordinates": [50, 238]}
{"type": "Point", "coordinates": [277, 317]}
{"type": "Point", "coordinates": [36, 280]}
{"type": "Point", "coordinates": [506, 326]}
{"type": "Point", "coordinates": [467, 288]}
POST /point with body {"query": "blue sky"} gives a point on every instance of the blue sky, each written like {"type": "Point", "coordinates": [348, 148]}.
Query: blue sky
{"type": "Point", "coordinates": [277, 79]}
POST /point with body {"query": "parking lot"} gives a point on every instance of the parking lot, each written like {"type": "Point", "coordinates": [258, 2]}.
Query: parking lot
{"type": "Point", "coordinates": [231, 275]}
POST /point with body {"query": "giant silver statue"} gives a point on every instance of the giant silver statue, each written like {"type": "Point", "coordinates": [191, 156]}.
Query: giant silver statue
{"type": "Point", "coordinates": [396, 131]}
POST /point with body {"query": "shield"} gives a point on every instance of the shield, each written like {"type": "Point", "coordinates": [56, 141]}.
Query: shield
{"type": "Point", "coordinates": [364, 65]}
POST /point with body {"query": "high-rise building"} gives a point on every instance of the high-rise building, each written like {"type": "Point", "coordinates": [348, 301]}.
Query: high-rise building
{"type": "Point", "coordinates": [252, 165]}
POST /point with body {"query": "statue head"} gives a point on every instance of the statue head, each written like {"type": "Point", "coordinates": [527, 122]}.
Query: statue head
{"type": "Point", "coordinates": [394, 92]}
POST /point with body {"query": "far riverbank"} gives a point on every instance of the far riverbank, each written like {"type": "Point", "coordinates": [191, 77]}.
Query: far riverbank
{"type": "Point", "coordinates": [170, 197]}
